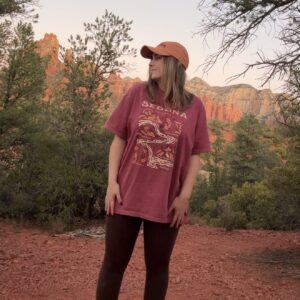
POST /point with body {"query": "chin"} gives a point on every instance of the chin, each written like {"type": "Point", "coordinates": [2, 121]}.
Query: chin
{"type": "Point", "coordinates": [156, 78]}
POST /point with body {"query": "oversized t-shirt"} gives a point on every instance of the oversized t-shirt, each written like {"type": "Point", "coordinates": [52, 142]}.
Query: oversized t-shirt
{"type": "Point", "coordinates": [159, 145]}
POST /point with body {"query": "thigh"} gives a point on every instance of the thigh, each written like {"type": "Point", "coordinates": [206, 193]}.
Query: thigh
{"type": "Point", "coordinates": [159, 240]}
{"type": "Point", "coordinates": [121, 233]}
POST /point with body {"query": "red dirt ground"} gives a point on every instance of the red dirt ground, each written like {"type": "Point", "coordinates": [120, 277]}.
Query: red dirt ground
{"type": "Point", "coordinates": [207, 263]}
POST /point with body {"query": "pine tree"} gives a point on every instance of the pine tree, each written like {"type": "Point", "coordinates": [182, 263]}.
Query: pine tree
{"type": "Point", "coordinates": [284, 181]}
{"type": "Point", "coordinates": [17, 8]}
{"type": "Point", "coordinates": [215, 161]}
{"type": "Point", "coordinates": [22, 79]}
{"type": "Point", "coordinates": [77, 111]}
{"type": "Point", "coordinates": [21, 89]}
{"type": "Point", "coordinates": [248, 156]}
{"type": "Point", "coordinates": [13, 9]}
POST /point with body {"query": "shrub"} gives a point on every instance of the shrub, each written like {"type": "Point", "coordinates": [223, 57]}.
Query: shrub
{"type": "Point", "coordinates": [250, 206]}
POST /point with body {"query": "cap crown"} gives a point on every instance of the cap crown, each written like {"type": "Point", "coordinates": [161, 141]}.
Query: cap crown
{"type": "Point", "coordinates": [168, 49]}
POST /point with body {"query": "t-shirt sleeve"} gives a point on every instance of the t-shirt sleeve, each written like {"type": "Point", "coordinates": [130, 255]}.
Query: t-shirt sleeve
{"type": "Point", "coordinates": [117, 123]}
{"type": "Point", "coordinates": [201, 141]}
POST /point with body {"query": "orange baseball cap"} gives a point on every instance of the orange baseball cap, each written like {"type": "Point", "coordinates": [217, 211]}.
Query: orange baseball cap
{"type": "Point", "coordinates": [167, 49]}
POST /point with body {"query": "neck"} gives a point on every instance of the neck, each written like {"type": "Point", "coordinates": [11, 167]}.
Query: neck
{"type": "Point", "coordinates": [159, 83]}
{"type": "Point", "coordinates": [161, 87]}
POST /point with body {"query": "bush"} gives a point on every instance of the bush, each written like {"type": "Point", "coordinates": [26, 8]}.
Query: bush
{"type": "Point", "coordinates": [199, 196]}
{"type": "Point", "coordinates": [231, 219]}
{"type": "Point", "coordinates": [16, 205]}
{"type": "Point", "coordinates": [48, 187]}
{"type": "Point", "coordinates": [250, 206]}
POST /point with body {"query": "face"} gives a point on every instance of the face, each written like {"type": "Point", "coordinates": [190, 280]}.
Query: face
{"type": "Point", "coordinates": [155, 67]}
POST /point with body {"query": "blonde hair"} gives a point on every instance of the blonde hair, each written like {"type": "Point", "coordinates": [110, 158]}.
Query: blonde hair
{"type": "Point", "coordinates": [173, 80]}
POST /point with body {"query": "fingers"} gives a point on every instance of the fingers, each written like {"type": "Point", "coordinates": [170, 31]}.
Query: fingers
{"type": "Point", "coordinates": [113, 194]}
{"type": "Point", "coordinates": [174, 217]}
{"type": "Point", "coordinates": [118, 196]}
{"type": "Point", "coordinates": [176, 221]}
{"type": "Point", "coordinates": [109, 207]}
{"type": "Point", "coordinates": [106, 205]}
{"type": "Point", "coordinates": [171, 208]}
{"type": "Point", "coordinates": [112, 207]}
{"type": "Point", "coordinates": [178, 215]}
{"type": "Point", "coordinates": [173, 222]}
{"type": "Point", "coordinates": [110, 203]}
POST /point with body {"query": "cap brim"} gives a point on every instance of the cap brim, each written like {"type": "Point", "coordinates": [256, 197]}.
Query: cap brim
{"type": "Point", "coordinates": [147, 52]}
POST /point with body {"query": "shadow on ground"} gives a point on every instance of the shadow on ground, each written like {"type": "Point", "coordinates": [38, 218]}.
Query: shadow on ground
{"type": "Point", "coordinates": [277, 263]}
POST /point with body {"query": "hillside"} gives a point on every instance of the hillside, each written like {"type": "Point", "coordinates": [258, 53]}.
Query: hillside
{"type": "Point", "coordinates": [224, 103]}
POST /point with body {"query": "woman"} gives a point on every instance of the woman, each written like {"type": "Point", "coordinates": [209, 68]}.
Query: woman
{"type": "Point", "coordinates": [160, 130]}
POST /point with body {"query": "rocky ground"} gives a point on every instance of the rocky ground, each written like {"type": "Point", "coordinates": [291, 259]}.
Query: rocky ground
{"type": "Point", "coordinates": [207, 263]}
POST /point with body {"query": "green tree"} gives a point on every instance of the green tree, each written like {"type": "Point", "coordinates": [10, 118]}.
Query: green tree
{"type": "Point", "coordinates": [22, 74]}
{"type": "Point", "coordinates": [199, 196]}
{"type": "Point", "coordinates": [13, 9]}
{"type": "Point", "coordinates": [248, 155]}
{"type": "Point", "coordinates": [88, 63]}
{"type": "Point", "coordinates": [21, 89]}
{"type": "Point", "coordinates": [213, 183]}
{"type": "Point", "coordinates": [74, 176]}
{"type": "Point", "coordinates": [63, 168]}
{"type": "Point", "coordinates": [250, 206]}
{"type": "Point", "coordinates": [284, 181]}
{"type": "Point", "coordinates": [215, 161]}
{"type": "Point", "coordinates": [17, 8]}
{"type": "Point", "coordinates": [83, 98]}
{"type": "Point", "coordinates": [238, 22]}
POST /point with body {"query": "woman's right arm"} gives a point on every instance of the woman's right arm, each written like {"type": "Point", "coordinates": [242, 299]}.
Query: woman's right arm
{"type": "Point", "coordinates": [113, 189]}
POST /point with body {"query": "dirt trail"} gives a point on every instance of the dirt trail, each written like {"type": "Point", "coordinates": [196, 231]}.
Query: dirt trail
{"type": "Point", "coordinates": [207, 263]}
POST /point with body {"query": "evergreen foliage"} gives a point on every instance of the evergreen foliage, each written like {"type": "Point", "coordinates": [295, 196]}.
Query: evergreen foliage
{"type": "Point", "coordinates": [249, 154]}
{"type": "Point", "coordinates": [60, 173]}
{"type": "Point", "coordinates": [260, 178]}
{"type": "Point", "coordinates": [284, 181]}
{"type": "Point", "coordinates": [21, 88]}
{"type": "Point", "coordinates": [215, 161]}
{"type": "Point", "coordinates": [214, 184]}
{"type": "Point", "coordinates": [53, 155]}
{"type": "Point", "coordinates": [249, 158]}
{"type": "Point", "coordinates": [17, 8]}
{"type": "Point", "coordinates": [250, 206]}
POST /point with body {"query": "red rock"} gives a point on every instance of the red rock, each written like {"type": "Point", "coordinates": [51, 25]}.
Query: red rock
{"type": "Point", "coordinates": [49, 46]}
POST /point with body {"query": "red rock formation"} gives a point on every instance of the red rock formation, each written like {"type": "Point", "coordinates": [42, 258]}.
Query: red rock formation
{"type": "Point", "coordinates": [214, 110]}
{"type": "Point", "coordinates": [49, 46]}
{"type": "Point", "coordinates": [222, 112]}
{"type": "Point", "coordinates": [226, 104]}
{"type": "Point", "coordinates": [119, 86]}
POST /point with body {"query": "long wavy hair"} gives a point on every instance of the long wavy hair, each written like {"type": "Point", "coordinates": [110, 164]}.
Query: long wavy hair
{"type": "Point", "coordinates": [173, 80]}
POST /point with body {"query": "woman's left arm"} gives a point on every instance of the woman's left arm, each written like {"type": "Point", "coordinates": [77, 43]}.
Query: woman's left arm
{"type": "Point", "coordinates": [181, 202]}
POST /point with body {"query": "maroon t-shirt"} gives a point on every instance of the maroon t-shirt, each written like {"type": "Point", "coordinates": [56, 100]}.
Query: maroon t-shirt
{"type": "Point", "coordinates": [159, 144]}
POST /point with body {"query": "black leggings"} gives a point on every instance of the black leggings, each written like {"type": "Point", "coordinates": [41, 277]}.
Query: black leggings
{"type": "Point", "coordinates": [121, 235]}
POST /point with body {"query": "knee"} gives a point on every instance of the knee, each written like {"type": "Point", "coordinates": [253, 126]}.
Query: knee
{"type": "Point", "coordinates": [114, 265]}
{"type": "Point", "coordinates": [157, 268]}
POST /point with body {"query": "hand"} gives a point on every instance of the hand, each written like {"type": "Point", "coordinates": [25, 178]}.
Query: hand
{"type": "Point", "coordinates": [112, 194]}
{"type": "Point", "coordinates": [180, 208]}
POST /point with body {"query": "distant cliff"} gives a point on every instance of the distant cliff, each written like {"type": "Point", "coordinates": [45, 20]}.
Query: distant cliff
{"type": "Point", "coordinates": [237, 98]}
{"type": "Point", "coordinates": [224, 103]}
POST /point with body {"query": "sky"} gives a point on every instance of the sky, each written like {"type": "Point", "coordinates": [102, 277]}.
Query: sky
{"type": "Point", "coordinates": [153, 22]}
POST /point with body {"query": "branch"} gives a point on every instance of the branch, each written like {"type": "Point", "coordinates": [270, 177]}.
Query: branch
{"type": "Point", "coordinates": [238, 22]}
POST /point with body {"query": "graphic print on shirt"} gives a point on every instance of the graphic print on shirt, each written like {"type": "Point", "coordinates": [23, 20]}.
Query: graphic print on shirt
{"type": "Point", "coordinates": [157, 136]}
